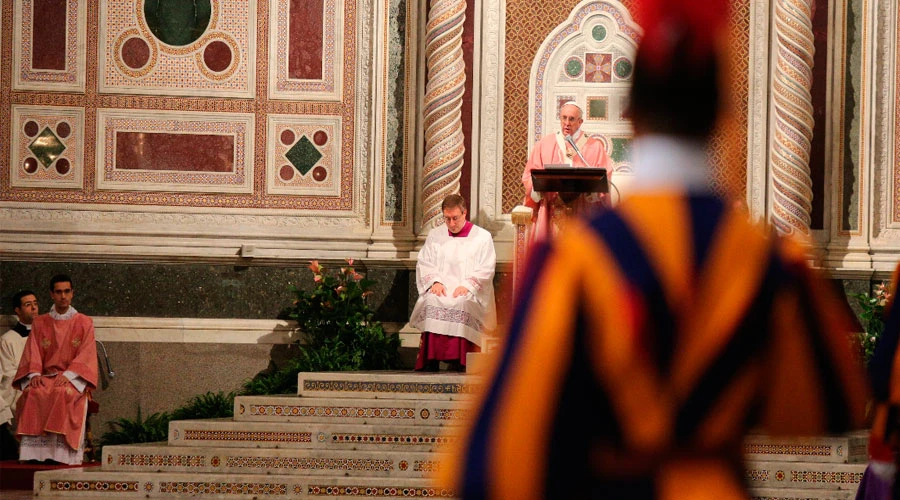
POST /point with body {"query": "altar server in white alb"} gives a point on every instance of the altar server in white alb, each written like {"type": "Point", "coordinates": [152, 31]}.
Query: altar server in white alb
{"type": "Point", "coordinates": [455, 278]}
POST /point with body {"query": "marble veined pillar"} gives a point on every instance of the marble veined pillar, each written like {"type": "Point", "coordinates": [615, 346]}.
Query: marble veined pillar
{"type": "Point", "coordinates": [792, 116]}
{"type": "Point", "coordinates": [444, 87]}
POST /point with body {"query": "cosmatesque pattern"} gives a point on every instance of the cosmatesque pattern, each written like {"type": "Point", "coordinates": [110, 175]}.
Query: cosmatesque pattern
{"type": "Point", "coordinates": [266, 436]}
{"type": "Point", "coordinates": [388, 387]}
{"type": "Point", "coordinates": [793, 116]}
{"type": "Point", "coordinates": [444, 87]}
{"type": "Point", "coordinates": [333, 411]}
{"type": "Point", "coordinates": [788, 449]}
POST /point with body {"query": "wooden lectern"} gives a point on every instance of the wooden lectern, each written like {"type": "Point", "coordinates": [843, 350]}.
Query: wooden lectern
{"type": "Point", "coordinates": [567, 179]}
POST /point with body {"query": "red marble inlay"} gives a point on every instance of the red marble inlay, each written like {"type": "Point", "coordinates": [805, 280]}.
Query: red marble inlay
{"type": "Point", "coordinates": [319, 173]}
{"type": "Point", "coordinates": [62, 166]}
{"type": "Point", "coordinates": [63, 130]}
{"type": "Point", "coordinates": [288, 137]}
{"type": "Point", "coordinates": [305, 39]}
{"type": "Point", "coordinates": [176, 152]}
{"type": "Point", "coordinates": [30, 128]}
{"type": "Point", "coordinates": [320, 138]}
{"type": "Point", "coordinates": [48, 35]}
{"type": "Point", "coordinates": [30, 165]}
{"type": "Point", "coordinates": [286, 172]}
{"type": "Point", "coordinates": [135, 53]}
{"type": "Point", "coordinates": [217, 56]}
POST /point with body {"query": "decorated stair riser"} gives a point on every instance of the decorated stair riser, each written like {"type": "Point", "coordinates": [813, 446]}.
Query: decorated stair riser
{"type": "Point", "coordinates": [398, 385]}
{"type": "Point", "coordinates": [351, 411]}
{"type": "Point", "coordinates": [789, 494]}
{"type": "Point", "coordinates": [230, 434]}
{"type": "Point", "coordinates": [349, 463]}
{"type": "Point", "coordinates": [803, 475]}
{"type": "Point", "coordinates": [850, 449]}
{"type": "Point", "coordinates": [76, 483]}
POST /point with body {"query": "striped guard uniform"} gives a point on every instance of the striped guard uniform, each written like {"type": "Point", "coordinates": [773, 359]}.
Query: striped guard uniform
{"type": "Point", "coordinates": [644, 345]}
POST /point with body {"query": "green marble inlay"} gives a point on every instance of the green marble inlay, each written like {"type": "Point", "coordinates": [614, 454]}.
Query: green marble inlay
{"type": "Point", "coordinates": [303, 155]}
{"type": "Point", "coordinates": [47, 147]}
{"type": "Point", "coordinates": [597, 109]}
{"type": "Point", "coordinates": [599, 32]}
{"type": "Point", "coordinates": [395, 119]}
{"type": "Point", "coordinates": [623, 68]}
{"type": "Point", "coordinates": [573, 67]}
{"type": "Point", "coordinates": [177, 22]}
{"type": "Point", "coordinates": [621, 149]}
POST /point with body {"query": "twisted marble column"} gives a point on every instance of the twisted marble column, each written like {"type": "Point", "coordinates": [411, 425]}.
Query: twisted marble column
{"type": "Point", "coordinates": [446, 77]}
{"type": "Point", "coordinates": [793, 116]}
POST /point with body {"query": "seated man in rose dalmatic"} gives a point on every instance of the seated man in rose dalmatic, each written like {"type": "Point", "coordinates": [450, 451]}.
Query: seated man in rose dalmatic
{"type": "Point", "coordinates": [56, 375]}
{"type": "Point", "coordinates": [454, 276]}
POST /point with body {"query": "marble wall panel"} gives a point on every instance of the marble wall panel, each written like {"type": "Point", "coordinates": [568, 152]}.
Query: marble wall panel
{"type": "Point", "coordinates": [166, 151]}
{"type": "Point", "coordinates": [895, 171]}
{"type": "Point", "coordinates": [852, 152]}
{"type": "Point", "coordinates": [304, 155]}
{"type": "Point", "coordinates": [46, 147]}
{"type": "Point", "coordinates": [49, 45]}
{"type": "Point", "coordinates": [292, 71]}
{"type": "Point", "coordinates": [204, 48]}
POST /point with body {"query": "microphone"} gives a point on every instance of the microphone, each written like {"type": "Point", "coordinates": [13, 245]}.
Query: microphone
{"type": "Point", "coordinates": [572, 143]}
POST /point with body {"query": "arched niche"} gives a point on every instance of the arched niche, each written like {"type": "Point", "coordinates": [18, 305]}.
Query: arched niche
{"type": "Point", "coordinates": [588, 59]}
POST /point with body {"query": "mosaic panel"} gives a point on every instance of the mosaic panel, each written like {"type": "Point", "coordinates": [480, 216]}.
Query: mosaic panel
{"type": "Point", "coordinates": [529, 23]}
{"type": "Point", "coordinates": [347, 204]}
{"type": "Point", "coordinates": [598, 68]}
{"type": "Point", "coordinates": [310, 463]}
{"type": "Point", "coordinates": [121, 486]}
{"type": "Point", "coordinates": [265, 436]}
{"type": "Point", "coordinates": [222, 488]}
{"type": "Point", "coordinates": [165, 460]}
{"type": "Point", "coordinates": [756, 474]}
{"type": "Point", "coordinates": [391, 439]}
{"type": "Point", "coordinates": [426, 466]}
{"type": "Point", "coordinates": [825, 477]}
{"type": "Point", "coordinates": [597, 108]}
{"type": "Point", "coordinates": [47, 147]}
{"type": "Point", "coordinates": [449, 414]}
{"type": "Point", "coordinates": [286, 80]}
{"type": "Point", "coordinates": [333, 411]}
{"type": "Point", "coordinates": [49, 45]}
{"type": "Point", "coordinates": [174, 168]}
{"type": "Point", "coordinates": [180, 50]}
{"type": "Point", "coordinates": [304, 155]}
{"type": "Point", "coordinates": [377, 491]}
{"type": "Point", "coordinates": [389, 387]}
{"type": "Point", "coordinates": [788, 449]}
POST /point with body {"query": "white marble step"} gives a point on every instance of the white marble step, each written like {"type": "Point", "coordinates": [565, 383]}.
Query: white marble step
{"type": "Point", "coordinates": [791, 494]}
{"type": "Point", "coordinates": [91, 483]}
{"type": "Point", "coordinates": [847, 449]}
{"type": "Point", "coordinates": [386, 385]}
{"type": "Point", "coordinates": [351, 411]}
{"type": "Point", "coordinates": [803, 475]}
{"type": "Point", "coordinates": [226, 433]}
{"type": "Point", "coordinates": [350, 463]}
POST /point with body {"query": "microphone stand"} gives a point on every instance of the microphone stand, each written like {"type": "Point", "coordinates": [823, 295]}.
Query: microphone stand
{"type": "Point", "coordinates": [572, 143]}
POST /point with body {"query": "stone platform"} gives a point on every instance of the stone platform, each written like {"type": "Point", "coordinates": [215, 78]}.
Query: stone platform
{"type": "Point", "coordinates": [377, 435]}
{"type": "Point", "coordinates": [344, 435]}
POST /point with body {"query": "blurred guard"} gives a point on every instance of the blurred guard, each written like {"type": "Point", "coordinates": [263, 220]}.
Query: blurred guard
{"type": "Point", "coordinates": [647, 341]}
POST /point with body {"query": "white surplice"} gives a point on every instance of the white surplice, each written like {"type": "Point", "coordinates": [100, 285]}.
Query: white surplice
{"type": "Point", "coordinates": [467, 261]}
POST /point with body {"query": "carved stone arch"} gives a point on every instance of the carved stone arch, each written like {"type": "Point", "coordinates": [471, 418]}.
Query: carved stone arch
{"type": "Point", "coordinates": [588, 59]}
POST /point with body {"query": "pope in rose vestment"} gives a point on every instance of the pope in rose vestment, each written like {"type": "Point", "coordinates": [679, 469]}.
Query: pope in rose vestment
{"type": "Point", "coordinates": [553, 150]}
{"type": "Point", "coordinates": [62, 350]}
